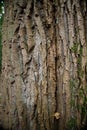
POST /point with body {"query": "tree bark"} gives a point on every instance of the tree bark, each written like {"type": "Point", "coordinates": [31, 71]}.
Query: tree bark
{"type": "Point", "coordinates": [43, 84]}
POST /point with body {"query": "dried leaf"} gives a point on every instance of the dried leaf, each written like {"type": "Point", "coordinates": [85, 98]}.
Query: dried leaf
{"type": "Point", "coordinates": [57, 115]}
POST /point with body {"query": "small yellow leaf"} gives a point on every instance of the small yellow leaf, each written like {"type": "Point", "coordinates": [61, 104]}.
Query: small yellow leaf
{"type": "Point", "coordinates": [57, 115]}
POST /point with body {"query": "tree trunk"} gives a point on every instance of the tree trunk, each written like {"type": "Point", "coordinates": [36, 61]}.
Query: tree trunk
{"type": "Point", "coordinates": [43, 84]}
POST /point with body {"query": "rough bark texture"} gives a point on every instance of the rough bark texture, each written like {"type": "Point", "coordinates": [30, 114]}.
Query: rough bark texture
{"type": "Point", "coordinates": [44, 66]}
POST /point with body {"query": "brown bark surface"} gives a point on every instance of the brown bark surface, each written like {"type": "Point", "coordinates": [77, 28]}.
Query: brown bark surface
{"type": "Point", "coordinates": [44, 66]}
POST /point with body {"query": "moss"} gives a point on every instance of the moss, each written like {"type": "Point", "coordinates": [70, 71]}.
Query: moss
{"type": "Point", "coordinates": [81, 107]}
{"type": "Point", "coordinates": [77, 49]}
{"type": "Point", "coordinates": [72, 124]}
{"type": "Point", "coordinates": [73, 87]}
{"type": "Point", "coordinates": [82, 92]}
{"type": "Point", "coordinates": [72, 83]}
{"type": "Point", "coordinates": [74, 48]}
